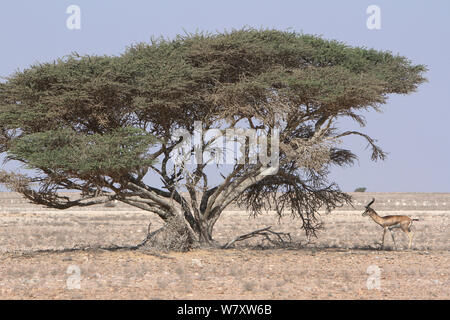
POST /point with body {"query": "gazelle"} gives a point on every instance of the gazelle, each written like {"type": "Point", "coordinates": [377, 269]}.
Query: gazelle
{"type": "Point", "coordinates": [391, 222]}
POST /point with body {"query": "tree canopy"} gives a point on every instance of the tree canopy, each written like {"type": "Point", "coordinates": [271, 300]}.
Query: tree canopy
{"type": "Point", "coordinates": [99, 124]}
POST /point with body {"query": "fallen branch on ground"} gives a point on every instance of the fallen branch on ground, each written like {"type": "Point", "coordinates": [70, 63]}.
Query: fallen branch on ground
{"type": "Point", "coordinates": [267, 234]}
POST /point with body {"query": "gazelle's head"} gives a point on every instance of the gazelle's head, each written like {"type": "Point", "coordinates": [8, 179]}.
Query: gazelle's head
{"type": "Point", "coordinates": [368, 208]}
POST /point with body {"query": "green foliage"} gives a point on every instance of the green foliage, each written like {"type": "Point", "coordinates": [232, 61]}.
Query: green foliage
{"type": "Point", "coordinates": [360, 189]}
{"type": "Point", "coordinates": [67, 152]}
{"type": "Point", "coordinates": [168, 82]}
{"type": "Point", "coordinates": [203, 72]}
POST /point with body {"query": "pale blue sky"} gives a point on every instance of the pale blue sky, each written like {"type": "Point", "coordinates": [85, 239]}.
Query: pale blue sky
{"type": "Point", "coordinates": [413, 129]}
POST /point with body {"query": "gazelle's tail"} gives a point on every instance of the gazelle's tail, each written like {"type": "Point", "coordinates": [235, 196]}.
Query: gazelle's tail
{"type": "Point", "coordinates": [415, 219]}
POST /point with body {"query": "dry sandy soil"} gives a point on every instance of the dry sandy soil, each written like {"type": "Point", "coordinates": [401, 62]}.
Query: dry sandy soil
{"type": "Point", "coordinates": [338, 265]}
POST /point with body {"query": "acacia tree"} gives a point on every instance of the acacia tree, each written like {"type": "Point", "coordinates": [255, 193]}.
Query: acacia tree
{"type": "Point", "coordinates": [100, 124]}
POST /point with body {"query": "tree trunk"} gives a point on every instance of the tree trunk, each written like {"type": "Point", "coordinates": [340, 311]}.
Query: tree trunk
{"type": "Point", "coordinates": [205, 233]}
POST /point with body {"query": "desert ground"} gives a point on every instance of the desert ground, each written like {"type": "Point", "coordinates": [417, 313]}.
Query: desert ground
{"type": "Point", "coordinates": [39, 257]}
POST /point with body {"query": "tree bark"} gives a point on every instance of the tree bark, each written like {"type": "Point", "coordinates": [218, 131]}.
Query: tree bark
{"type": "Point", "coordinates": [205, 233]}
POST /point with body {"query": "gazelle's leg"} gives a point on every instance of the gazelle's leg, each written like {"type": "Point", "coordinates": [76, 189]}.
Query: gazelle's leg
{"type": "Point", "coordinates": [410, 234]}
{"type": "Point", "coordinates": [382, 240]}
{"type": "Point", "coordinates": [392, 235]}
{"type": "Point", "coordinates": [405, 229]}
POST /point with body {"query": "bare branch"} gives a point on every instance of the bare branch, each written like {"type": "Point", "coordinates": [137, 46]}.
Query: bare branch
{"type": "Point", "coordinates": [377, 153]}
{"type": "Point", "coordinates": [267, 234]}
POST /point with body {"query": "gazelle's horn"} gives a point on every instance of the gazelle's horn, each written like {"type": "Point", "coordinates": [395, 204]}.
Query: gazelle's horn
{"type": "Point", "coordinates": [368, 205]}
